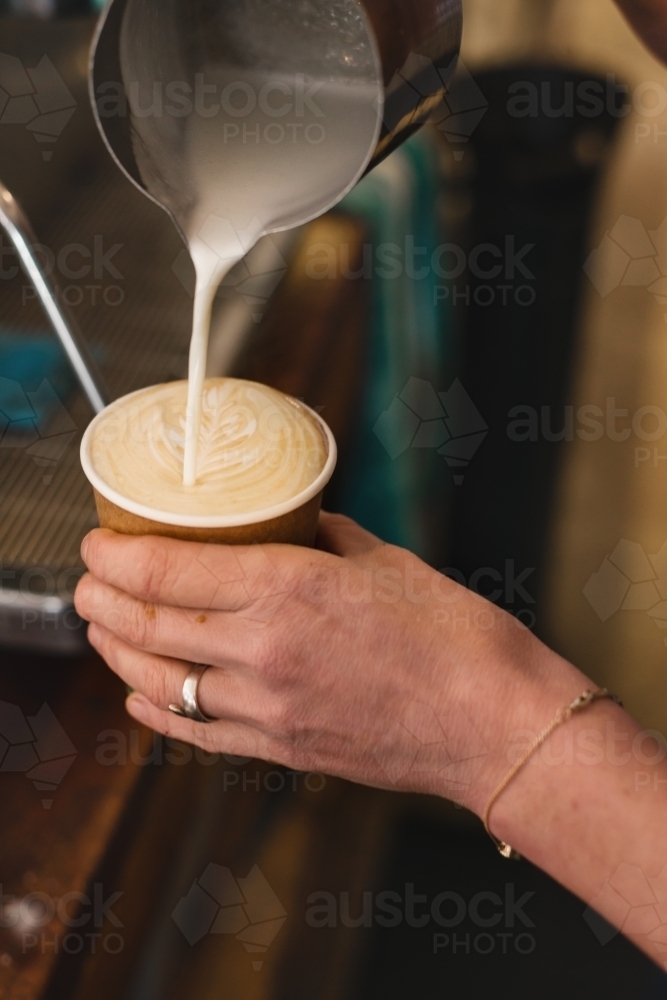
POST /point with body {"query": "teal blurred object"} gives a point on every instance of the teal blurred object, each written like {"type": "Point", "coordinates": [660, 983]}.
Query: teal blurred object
{"type": "Point", "coordinates": [35, 381]}
{"type": "Point", "coordinates": [390, 486]}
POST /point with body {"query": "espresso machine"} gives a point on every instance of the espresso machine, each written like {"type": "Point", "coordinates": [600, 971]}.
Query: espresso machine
{"type": "Point", "coordinates": [88, 261]}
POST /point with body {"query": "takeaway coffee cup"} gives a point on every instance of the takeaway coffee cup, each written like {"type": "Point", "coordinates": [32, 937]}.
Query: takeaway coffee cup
{"type": "Point", "coordinates": [263, 462]}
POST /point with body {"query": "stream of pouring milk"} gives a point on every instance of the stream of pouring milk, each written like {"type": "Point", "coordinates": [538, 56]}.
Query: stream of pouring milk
{"type": "Point", "coordinates": [248, 117]}
{"type": "Point", "coordinates": [244, 183]}
{"type": "Point", "coordinates": [210, 271]}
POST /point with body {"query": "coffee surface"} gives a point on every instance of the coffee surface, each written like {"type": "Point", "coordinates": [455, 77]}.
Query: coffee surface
{"type": "Point", "coordinates": [257, 448]}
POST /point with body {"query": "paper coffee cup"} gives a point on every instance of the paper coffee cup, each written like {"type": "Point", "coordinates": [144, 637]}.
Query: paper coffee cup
{"type": "Point", "coordinates": [292, 521]}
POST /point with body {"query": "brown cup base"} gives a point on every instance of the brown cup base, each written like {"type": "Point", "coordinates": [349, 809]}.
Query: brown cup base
{"type": "Point", "coordinates": [297, 527]}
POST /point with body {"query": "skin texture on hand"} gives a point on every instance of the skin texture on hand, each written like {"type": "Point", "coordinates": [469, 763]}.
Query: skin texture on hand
{"type": "Point", "coordinates": [358, 660]}
{"type": "Point", "coordinates": [649, 19]}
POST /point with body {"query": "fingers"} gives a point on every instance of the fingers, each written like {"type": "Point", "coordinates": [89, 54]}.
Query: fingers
{"type": "Point", "coordinates": [179, 633]}
{"type": "Point", "coordinates": [220, 694]}
{"type": "Point", "coordinates": [215, 577]}
{"type": "Point", "coordinates": [342, 536]}
{"type": "Point", "coordinates": [191, 574]}
{"type": "Point", "coordinates": [221, 736]}
{"type": "Point", "coordinates": [159, 678]}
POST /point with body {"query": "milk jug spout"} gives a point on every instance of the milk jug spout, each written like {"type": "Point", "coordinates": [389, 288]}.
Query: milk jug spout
{"type": "Point", "coordinates": [419, 43]}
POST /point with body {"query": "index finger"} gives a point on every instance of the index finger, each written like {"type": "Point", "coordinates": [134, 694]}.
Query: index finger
{"type": "Point", "coordinates": [190, 574]}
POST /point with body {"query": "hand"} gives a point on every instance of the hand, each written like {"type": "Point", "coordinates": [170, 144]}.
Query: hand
{"type": "Point", "coordinates": [359, 661]}
{"type": "Point", "coordinates": [363, 662]}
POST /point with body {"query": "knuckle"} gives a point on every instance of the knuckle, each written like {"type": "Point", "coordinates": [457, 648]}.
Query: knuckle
{"type": "Point", "coordinates": [277, 717]}
{"type": "Point", "coordinates": [139, 623]}
{"type": "Point", "coordinates": [270, 656]}
{"type": "Point", "coordinates": [151, 570]}
{"type": "Point", "coordinates": [155, 682]}
{"type": "Point", "coordinates": [339, 521]}
{"type": "Point", "coordinates": [388, 554]}
{"type": "Point", "coordinates": [291, 573]}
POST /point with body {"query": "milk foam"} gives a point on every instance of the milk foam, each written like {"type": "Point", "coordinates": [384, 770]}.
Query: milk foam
{"type": "Point", "coordinates": [257, 448]}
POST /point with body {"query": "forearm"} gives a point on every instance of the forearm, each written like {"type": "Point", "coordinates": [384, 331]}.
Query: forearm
{"type": "Point", "coordinates": [649, 19]}
{"type": "Point", "coordinates": [591, 810]}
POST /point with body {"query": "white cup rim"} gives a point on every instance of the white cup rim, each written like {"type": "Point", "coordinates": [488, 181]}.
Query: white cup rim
{"type": "Point", "coordinates": [202, 520]}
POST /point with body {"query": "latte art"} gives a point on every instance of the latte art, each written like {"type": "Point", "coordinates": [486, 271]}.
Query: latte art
{"type": "Point", "coordinates": [256, 448]}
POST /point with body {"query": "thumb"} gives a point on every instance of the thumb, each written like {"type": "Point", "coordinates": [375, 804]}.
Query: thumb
{"type": "Point", "coordinates": [342, 536]}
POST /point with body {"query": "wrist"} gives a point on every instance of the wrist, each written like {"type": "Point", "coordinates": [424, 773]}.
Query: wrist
{"type": "Point", "coordinates": [527, 703]}
{"type": "Point", "coordinates": [558, 780]}
{"type": "Point", "coordinates": [589, 808]}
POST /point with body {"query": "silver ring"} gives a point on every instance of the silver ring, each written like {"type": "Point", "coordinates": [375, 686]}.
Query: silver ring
{"type": "Point", "coordinates": [190, 708]}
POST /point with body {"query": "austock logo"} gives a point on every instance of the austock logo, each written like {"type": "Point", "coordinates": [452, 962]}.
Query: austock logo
{"type": "Point", "coordinates": [36, 98]}
{"type": "Point", "coordinates": [631, 256]}
{"type": "Point", "coordinates": [454, 921]}
{"type": "Point", "coordinates": [464, 107]}
{"type": "Point", "coordinates": [429, 749]}
{"type": "Point", "coordinates": [36, 422]}
{"type": "Point", "coordinates": [36, 745]}
{"type": "Point", "coordinates": [420, 417]}
{"type": "Point", "coordinates": [254, 278]}
{"type": "Point", "coordinates": [630, 580]}
{"type": "Point", "coordinates": [457, 115]}
{"type": "Point", "coordinates": [71, 923]}
{"type": "Point", "coordinates": [636, 904]}
{"type": "Point", "coordinates": [218, 903]}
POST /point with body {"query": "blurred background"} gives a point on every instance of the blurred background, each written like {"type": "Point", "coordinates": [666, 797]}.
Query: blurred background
{"type": "Point", "coordinates": [498, 386]}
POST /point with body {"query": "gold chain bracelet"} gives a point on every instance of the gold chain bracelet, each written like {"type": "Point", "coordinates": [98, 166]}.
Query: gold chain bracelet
{"type": "Point", "coordinates": [579, 704]}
